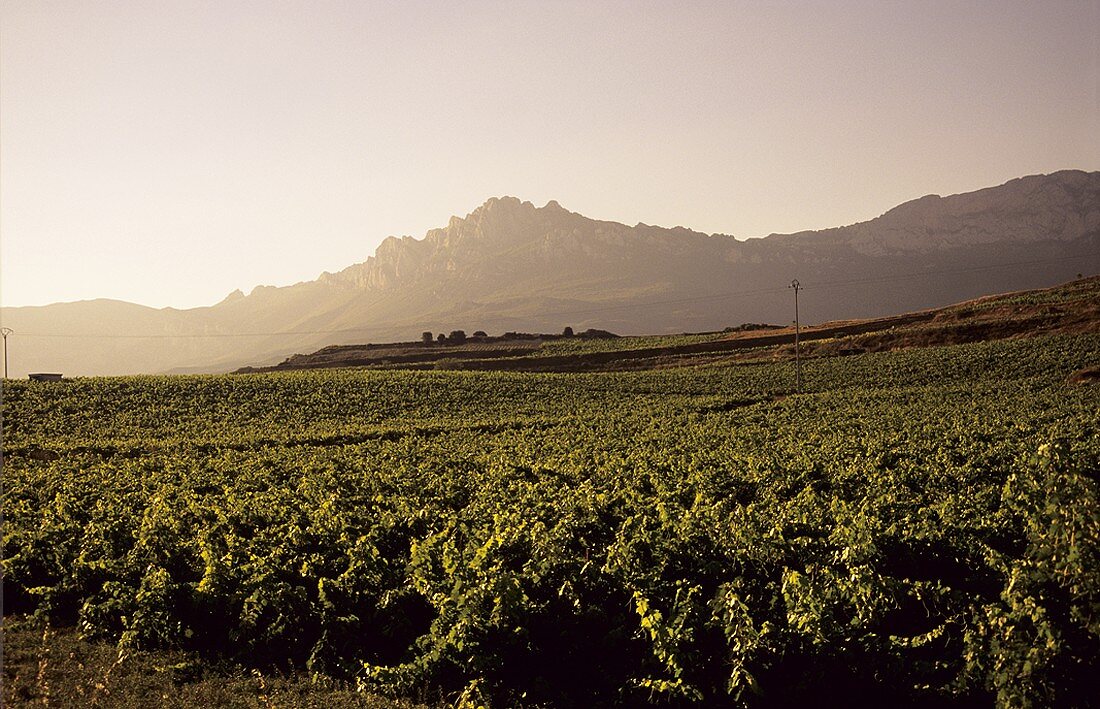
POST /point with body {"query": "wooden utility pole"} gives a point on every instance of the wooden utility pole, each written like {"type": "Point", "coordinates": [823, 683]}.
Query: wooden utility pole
{"type": "Point", "coordinates": [797, 359]}
{"type": "Point", "coordinates": [5, 331]}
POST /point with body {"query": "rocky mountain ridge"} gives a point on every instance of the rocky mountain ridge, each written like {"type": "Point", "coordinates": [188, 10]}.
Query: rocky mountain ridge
{"type": "Point", "coordinates": [505, 230]}
{"type": "Point", "coordinates": [1062, 206]}
{"type": "Point", "coordinates": [509, 265]}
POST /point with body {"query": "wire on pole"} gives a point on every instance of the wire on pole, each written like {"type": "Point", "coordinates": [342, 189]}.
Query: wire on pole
{"type": "Point", "coordinates": [797, 359]}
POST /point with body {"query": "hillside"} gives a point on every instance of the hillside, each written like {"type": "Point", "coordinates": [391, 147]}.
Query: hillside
{"type": "Point", "coordinates": [912, 528]}
{"type": "Point", "coordinates": [1071, 308]}
{"type": "Point", "coordinates": [512, 266]}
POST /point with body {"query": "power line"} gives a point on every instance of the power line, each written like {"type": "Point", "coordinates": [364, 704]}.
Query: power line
{"type": "Point", "coordinates": [820, 285]}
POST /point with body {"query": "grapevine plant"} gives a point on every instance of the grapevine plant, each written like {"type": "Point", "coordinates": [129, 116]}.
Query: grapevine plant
{"type": "Point", "coordinates": [917, 527]}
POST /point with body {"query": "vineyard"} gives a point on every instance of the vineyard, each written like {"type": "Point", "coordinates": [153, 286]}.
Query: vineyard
{"type": "Point", "coordinates": [919, 526]}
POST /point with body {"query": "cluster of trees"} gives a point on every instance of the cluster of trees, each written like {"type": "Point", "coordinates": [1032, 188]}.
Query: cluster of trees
{"type": "Point", "coordinates": [456, 336]}
{"type": "Point", "coordinates": [459, 336]}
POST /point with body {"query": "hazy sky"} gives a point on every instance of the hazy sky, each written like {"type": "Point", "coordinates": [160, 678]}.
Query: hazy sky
{"type": "Point", "coordinates": [169, 152]}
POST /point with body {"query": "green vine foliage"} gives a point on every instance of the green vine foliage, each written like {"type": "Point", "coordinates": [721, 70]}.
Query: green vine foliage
{"type": "Point", "coordinates": [918, 527]}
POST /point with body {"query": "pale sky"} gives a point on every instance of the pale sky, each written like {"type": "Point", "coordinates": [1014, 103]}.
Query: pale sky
{"type": "Point", "coordinates": [169, 152]}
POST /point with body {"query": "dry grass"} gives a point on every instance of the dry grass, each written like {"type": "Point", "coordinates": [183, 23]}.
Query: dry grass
{"type": "Point", "coordinates": [50, 667]}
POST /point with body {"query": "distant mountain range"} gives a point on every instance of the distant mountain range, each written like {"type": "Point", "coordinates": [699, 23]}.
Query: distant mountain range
{"type": "Point", "coordinates": [510, 265]}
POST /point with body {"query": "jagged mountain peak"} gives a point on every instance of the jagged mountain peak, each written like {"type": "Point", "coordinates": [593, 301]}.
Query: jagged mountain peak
{"type": "Point", "coordinates": [238, 294]}
{"type": "Point", "coordinates": [507, 235]}
{"type": "Point", "coordinates": [503, 221]}
{"type": "Point", "coordinates": [513, 207]}
{"type": "Point", "coordinates": [512, 210]}
{"type": "Point", "coordinates": [506, 203]}
{"type": "Point", "coordinates": [498, 223]}
{"type": "Point", "coordinates": [509, 265]}
{"type": "Point", "coordinates": [501, 237]}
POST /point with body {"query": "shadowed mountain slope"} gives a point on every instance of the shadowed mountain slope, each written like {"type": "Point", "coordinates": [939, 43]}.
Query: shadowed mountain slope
{"type": "Point", "coordinates": [510, 265]}
{"type": "Point", "coordinates": [1071, 308]}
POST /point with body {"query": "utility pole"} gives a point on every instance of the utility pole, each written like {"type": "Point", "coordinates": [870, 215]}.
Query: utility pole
{"type": "Point", "coordinates": [5, 331]}
{"type": "Point", "coordinates": [797, 360]}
